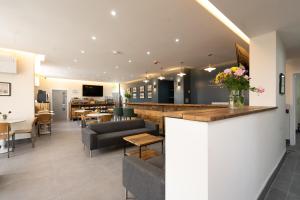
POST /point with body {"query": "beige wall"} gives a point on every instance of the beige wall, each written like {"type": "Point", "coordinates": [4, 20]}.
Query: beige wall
{"type": "Point", "coordinates": [73, 87]}
{"type": "Point", "coordinates": [21, 101]}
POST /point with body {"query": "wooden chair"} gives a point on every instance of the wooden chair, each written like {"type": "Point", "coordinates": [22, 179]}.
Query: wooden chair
{"type": "Point", "coordinates": [44, 119]}
{"type": "Point", "coordinates": [6, 134]}
{"type": "Point", "coordinates": [106, 118]}
{"type": "Point", "coordinates": [85, 121]}
{"type": "Point", "coordinates": [32, 131]}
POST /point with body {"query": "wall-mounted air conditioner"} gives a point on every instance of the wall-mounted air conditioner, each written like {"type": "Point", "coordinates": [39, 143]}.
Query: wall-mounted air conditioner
{"type": "Point", "coordinates": [8, 63]}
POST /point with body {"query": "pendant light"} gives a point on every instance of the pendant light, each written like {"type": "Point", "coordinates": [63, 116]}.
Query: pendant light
{"type": "Point", "coordinates": [146, 80]}
{"type": "Point", "coordinates": [181, 73]}
{"type": "Point", "coordinates": [210, 67]}
{"type": "Point", "coordinates": [161, 77]}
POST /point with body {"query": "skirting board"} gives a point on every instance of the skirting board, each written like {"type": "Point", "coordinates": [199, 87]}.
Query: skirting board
{"type": "Point", "coordinates": [272, 178]}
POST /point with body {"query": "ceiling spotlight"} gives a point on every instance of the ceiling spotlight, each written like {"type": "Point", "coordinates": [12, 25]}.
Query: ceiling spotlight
{"type": "Point", "coordinates": [148, 53]}
{"type": "Point", "coordinates": [75, 60]}
{"type": "Point", "coordinates": [113, 13]}
{"type": "Point", "coordinates": [82, 51]}
{"type": "Point", "coordinates": [104, 72]}
{"type": "Point", "coordinates": [177, 40]}
{"type": "Point", "coordinates": [93, 38]}
{"type": "Point", "coordinates": [117, 67]}
{"type": "Point", "coordinates": [130, 61]}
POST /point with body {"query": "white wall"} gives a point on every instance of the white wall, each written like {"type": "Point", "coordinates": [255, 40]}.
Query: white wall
{"type": "Point", "coordinates": [21, 101]}
{"type": "Point", "coordinates": [267, 61]}
{"type": "Point", "coordinates": [292, 67]}
{"type": "Point", "coordinates": [230, 159]}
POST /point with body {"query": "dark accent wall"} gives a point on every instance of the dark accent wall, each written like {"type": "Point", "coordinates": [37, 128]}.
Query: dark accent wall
{"type": "Point", "coordinates": [141, 83]}
{"type": "Point", "coordinates": [204, 92]}
{"type": "Point", "coordinates": [196, 87]}
{"type": "Point", "coordinates": [178, 90]}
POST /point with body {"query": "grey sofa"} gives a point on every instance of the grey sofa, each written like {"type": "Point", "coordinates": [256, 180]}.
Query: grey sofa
{"type": "Point", "coordinates": [144, 179]}
{"type": "Point", "coordinates": [106, 134]}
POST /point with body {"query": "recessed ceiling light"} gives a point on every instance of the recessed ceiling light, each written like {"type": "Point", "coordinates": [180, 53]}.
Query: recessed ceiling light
{"type": "Point", "coordinates": [115, 52]}
{"type": "Point", "coordinates": [148, 52]}
{"type": "Point", "coordinates": [75, 60]}
{"type": "Point", "coordinates": [104, 72]}
{"type": "Point", "coordinates": [177, 40]}
{"type": "Point", "coordinates": [130, 61]}
{"type": "Point", "coordinates": [117, 67]}
{"type": "Point", "coordinates": [113, 13]}
{"type": "Point", "coordinates": [82, 51]}
{"type": "Point", "coordinates": [93, 37]}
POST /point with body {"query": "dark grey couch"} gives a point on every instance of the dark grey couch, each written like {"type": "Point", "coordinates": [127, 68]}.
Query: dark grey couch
{"type": "Point", "coordinates": [144, 179]}
{"type": "Point", "coordinates": [106, 134]}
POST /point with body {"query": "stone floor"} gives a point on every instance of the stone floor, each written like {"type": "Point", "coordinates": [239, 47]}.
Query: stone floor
{"type": "Point", "coordinates": [58, 168]}
{"type": "Point", "coordinates": [286, 185]}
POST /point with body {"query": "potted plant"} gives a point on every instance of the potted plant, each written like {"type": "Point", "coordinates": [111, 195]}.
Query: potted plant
{"type": "Point", "coordinates": [127, 96]}
{"type": "Point", "coordinates": [236, 81]}
{"type": "Point", "coordinates": [4, 115]}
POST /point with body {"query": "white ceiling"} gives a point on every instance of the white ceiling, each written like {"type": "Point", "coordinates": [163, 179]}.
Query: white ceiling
{"type": "Point", "coordinates": [256, 17]}
{"type": "Point", "coordinates": [61, 28]}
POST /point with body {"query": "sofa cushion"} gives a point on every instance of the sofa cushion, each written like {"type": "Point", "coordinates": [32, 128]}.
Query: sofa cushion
{"type": "Point", "coordinates": [108, 127]}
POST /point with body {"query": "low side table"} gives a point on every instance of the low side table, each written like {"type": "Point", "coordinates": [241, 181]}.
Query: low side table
{"type": "Point", "coordinates": [143, 140]}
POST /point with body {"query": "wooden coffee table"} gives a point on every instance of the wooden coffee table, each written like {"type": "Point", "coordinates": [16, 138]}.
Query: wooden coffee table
{"type": "Point", "coordinates": [143, 140]}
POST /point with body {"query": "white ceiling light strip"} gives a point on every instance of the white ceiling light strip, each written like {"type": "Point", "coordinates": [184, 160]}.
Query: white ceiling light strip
{"type": "Point", "coordinates": [220, 16]}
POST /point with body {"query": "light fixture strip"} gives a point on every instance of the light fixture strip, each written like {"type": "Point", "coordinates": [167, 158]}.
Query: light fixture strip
{"type": "Point", "coordinates": [220, 16]}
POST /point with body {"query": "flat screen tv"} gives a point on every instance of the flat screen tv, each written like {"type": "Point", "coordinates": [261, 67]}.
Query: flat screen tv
{"type": "Point", "coordinates": [92, 90]}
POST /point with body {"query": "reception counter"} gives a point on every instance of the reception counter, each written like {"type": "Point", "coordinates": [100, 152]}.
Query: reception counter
{"type": "Point", "coordinates": [220, 153]}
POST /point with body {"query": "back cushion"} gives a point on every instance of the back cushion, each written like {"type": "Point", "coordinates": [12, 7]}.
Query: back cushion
{"type": "Point", "coordinates": [107, 127]}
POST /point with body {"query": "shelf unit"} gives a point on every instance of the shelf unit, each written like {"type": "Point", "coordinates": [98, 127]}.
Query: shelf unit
{"type": "Point", "coordinates": [102, 107]}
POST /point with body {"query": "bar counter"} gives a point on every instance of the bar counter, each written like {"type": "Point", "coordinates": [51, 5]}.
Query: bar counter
{"type": "Point", "coordinates": [157, 112]}
{"type": "Point", "coordinates": [214, 114]}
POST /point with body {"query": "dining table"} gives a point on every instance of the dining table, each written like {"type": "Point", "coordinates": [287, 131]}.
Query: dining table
{"type": "Point", "coordinates": [10, 121]}
{"type": "Point", "coordinates": [97, 115]}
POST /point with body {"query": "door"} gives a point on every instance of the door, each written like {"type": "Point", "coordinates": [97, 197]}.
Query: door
{"type": "Point", "coordinates": [59, 103]}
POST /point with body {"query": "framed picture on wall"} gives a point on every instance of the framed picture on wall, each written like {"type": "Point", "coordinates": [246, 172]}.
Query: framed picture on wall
{"type": "Point", "coordinates": [134, 89]}
{"type": "Point", "coordinates": [142, 95]}
{"type": "Point", "coordinates": [149, 95]}
{"type": "Point", "coordinates": [149, 88]}
{"type": "Point", "coordinates": [142, 88]}
{"type": "Point", "coordinates": [128, 90]}
{"type": "Point", "coordinates": [5, 89]}
{"type": "Point", "coordinates": [134, 95]}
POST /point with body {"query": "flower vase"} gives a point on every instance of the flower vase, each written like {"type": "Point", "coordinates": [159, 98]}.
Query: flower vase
{"type": "Point", "coordinates": [236, 99]}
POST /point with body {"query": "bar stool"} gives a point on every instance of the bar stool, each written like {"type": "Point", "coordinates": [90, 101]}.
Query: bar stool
{"type": "Point", "coordinates": [118, 113]}
{"type": "Point", "coordinates": [128, 112]}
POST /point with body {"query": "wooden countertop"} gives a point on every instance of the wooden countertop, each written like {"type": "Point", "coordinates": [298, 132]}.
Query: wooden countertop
{"type": "Point", "coordinates": [175, 105]}
{"type": "Point", "coordinates": [214, 114]}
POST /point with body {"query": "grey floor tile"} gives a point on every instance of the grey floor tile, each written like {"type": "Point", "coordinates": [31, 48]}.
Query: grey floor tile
{"type": "Point", "coordinates": [292, 197]}
{"type": "Point", "coordinates": [275, 194]}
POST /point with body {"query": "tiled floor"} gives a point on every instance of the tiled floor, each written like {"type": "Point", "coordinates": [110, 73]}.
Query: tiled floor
{"type": "Point", "coordinates": [59, 169]}
{"type": "Point", "coordinates": [286, 185]}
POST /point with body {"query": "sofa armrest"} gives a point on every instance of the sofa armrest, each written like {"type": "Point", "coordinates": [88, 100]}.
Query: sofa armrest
{"type": "Point", "coordinates": [152, 126]}
{"type": "Point", "coordinates": [142, 179]}
{"type": "Point", "coordinates": [89, 138]}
